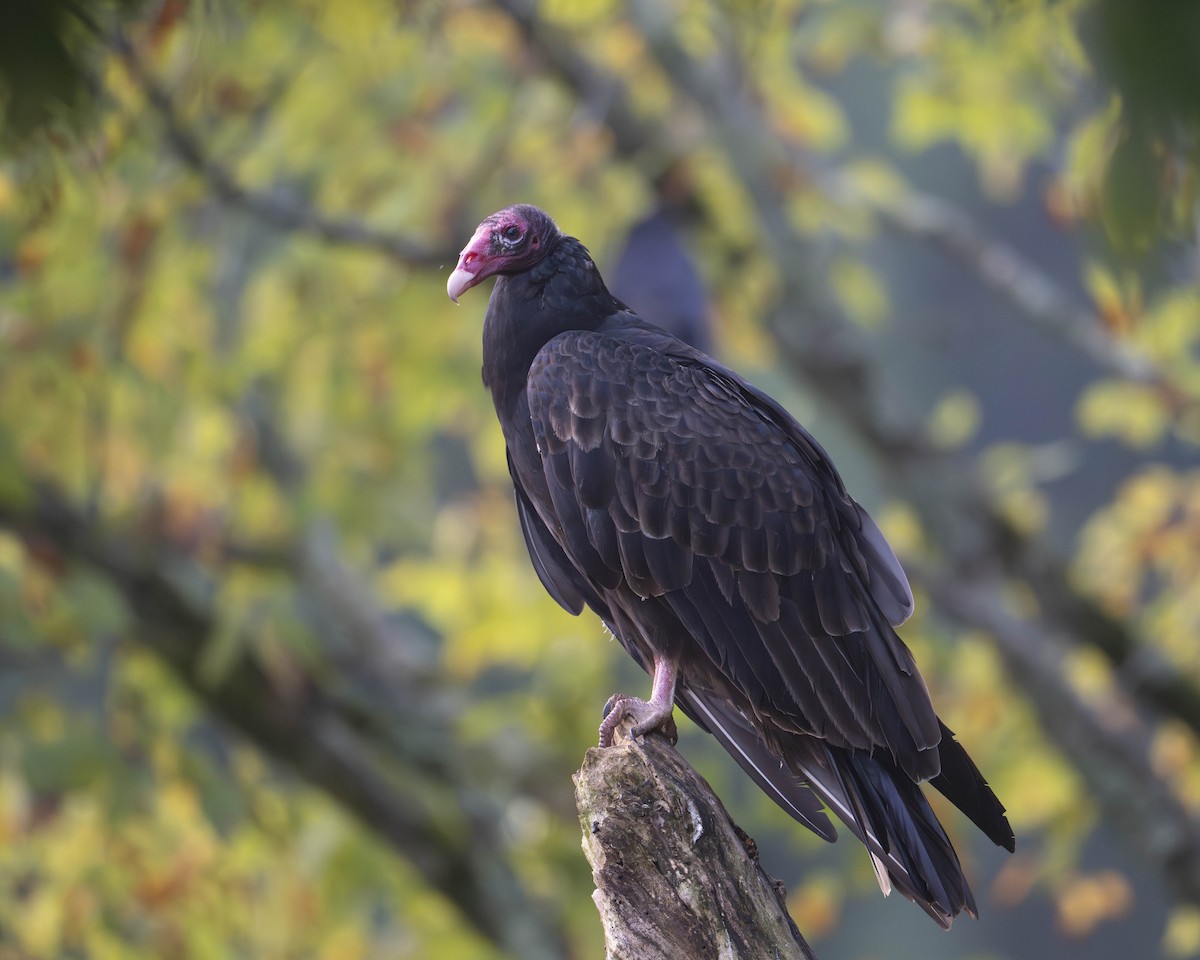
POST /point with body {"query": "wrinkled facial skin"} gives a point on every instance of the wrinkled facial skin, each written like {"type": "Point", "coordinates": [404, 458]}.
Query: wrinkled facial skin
{"type": "Point", "coordinates": [503, 243]}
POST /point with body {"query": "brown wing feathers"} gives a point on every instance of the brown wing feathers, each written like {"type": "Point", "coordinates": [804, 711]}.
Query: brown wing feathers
{"type": "Point", "coordinates": [663, 475]}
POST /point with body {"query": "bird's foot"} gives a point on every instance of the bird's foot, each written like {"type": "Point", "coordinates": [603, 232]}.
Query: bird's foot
{"type": "Point", "coordinates": [646, 714]}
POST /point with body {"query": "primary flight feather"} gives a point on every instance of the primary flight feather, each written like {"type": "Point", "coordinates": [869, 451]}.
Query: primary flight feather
{"type": "Point", "coordinates": [713, 536]}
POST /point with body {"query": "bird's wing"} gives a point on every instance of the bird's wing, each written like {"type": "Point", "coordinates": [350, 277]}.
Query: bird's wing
{"type": "Point", "coordinates": [672, 475]}
{"type": "Point", "coordinates": [551, 564]}
{"type": "Point", "coordinates": [720, 717]}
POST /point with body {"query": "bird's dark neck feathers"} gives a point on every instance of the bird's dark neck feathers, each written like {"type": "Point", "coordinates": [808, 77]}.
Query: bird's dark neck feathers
{"type": "Point", "coordinates": [563, 291]}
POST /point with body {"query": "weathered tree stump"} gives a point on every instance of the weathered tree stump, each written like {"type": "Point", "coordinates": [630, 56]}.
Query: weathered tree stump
{"type": "Point", "coordinates": [675, 878]}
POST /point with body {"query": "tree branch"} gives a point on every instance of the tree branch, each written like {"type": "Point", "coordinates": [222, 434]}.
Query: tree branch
{"type": "Point", "coordinates": [1145, 672]}
{"type": "Point", "coordinates": [600, 93]}
{"type": "Point", "coordinates": [282, 210]}
{"type": "Point", "coordinates": [1109, 748]}
{"type": "Point", "coordinates": [399, 769]}
{"type": "Point", "coordinates": [1037, 297]}
{"type": "Point", "coordinates": [675, 877]}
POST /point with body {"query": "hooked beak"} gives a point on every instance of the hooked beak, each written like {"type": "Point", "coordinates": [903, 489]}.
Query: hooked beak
{"type": "Point", "coordinates": [471, 264]}
{"type": "Point", "coordinates": [461, 280]}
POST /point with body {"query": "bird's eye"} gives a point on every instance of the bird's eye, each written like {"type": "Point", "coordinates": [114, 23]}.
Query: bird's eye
{"type": "Point", "coordinates": [512, 232]}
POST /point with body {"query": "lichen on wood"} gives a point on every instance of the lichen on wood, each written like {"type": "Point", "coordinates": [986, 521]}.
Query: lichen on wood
{"type": "Point", "coordinates": [675, 877]}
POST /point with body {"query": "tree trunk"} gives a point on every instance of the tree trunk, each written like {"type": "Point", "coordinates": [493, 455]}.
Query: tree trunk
{"type": "Point", "coordinates": [675, 878]}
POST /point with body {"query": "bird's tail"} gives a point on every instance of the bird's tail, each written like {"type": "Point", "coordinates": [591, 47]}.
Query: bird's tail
{"type": "Point", "coordinates": [908, 846]}
{"type": "Point", "coordinates": [889, 813]}
{"type": "Point", "coordinates": [963, 785]}
{"type": "Point", "coordinates": [877, 800]}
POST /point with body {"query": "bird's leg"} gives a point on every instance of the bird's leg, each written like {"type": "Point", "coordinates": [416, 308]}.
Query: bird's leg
{"type": "Point", "coordinates": [649, 714]}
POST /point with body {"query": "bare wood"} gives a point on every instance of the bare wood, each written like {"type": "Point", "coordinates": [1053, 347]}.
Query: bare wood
{"type": "Point", "coordinates": [675, 878]}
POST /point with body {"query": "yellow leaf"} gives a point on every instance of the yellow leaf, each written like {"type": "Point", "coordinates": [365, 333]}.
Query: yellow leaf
{"type": "Point", "coordinates": [809, 117]}
{"type": "Point", "coordinates": [859, 291]}
{"type": "Point", "coordinates": [1129, 411]}
{"type": "Point", "coordinates": [1182, 938]}
{"type": "Point", "coordinates": [955, 419]}
{"type": "Point", "coordinates": [346, 943]}
{"type": "Point", "coordinates": [876, 180]}
{"type": "Point", "coordinates": [40, 925]}
{"type": "Point", "coordinates": [816, 905]}
{"type": "Point", "coordinates": [1088, 900]}
{"type": "Point", "coordinates": [901, 526]}
{"type": "Point", "coordinates": [1118, 302]}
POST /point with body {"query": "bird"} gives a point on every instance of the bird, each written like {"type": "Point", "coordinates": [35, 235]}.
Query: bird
{"type": "Point", "coordinates": [715, 539]}
{"type": "Point", "coordinates": [655, 276]}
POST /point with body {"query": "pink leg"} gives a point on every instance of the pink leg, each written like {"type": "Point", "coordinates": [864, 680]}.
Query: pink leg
{"type": "Point", "coordinates": [649, 714]}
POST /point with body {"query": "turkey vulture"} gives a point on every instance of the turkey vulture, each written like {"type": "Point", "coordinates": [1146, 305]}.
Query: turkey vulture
{"type": "Point", "coordinates": [714, 538]}
{"type": "Point", "coordinates": [655, 276]}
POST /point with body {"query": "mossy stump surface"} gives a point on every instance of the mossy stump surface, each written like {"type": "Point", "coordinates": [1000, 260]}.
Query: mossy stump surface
{"type": "Point", "coordinates": [675, 878]}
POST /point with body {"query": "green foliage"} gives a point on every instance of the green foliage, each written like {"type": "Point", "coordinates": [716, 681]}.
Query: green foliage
{"type": "Point", "coordinates": [47, 49]}
{"type": "Point", "coordinates": [1140, 555]}
{"type": "Point", "coordinates": [188, 355]}
{"type": "Point", "coordinates": [989, 77]}
{"type": "Point", "coordinates": [1149, 57]}
{"type": "Point", "coordinates": [133, 829]}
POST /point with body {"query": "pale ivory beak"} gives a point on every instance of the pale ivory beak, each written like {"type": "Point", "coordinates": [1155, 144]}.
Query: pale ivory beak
{"type": "Point", "coordinates": [459, 283]}
{"type": "Point", "coordinates": [463, 278]}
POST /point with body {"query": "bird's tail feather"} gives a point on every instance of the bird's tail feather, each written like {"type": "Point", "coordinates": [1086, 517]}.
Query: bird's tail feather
{"type": "Point", "coordinates": [899, 829]}
{"type": "Point", "coordinates": [963, 785]}
{"type": "Point", "coordinates": [878, 801]}
{"type": "Point", "coordinates": [743, 743]}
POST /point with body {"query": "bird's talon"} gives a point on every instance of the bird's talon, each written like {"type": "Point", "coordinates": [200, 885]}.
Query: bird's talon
{"type": "Point", "coordinates": [610, 703]}
{"type": "Point", "coordinates": [616, 709]}
{"type": "Point", "coordinates": [648, 717]}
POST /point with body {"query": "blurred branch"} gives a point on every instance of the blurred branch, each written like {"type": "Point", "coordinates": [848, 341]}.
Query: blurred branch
{"type": "Point", "coordinates": [1036, 295]}
{"type": "Point", "coordinates": [674, 876]}
{"type": "Point", "coordinates": [600, 93]}
{"type": "Point", "coordinates": [744, 131]}
{"type": "Point", "coordinates": [764, 159]}
{"type": "Point", "coordinates": [343, 604]}
{"type": "Point", "coordinates": [414, 784]}
{"type": "Point", "coordinates": [1142, 670]}
{"type": "Point", "coordinates": [282, 210]}
{"type": "Point", "coordinates": [1109, 748]}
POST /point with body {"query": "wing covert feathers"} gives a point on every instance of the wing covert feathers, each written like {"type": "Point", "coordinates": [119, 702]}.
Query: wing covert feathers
{"type": "Point", "coordinates": [672, 477]}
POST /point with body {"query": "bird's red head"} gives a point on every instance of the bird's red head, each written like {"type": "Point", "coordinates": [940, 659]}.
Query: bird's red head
{"type": "Point", "coordinates": [507, 242]}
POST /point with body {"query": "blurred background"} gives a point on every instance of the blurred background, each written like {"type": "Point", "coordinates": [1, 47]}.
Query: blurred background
{"type": "Point", "coordinates": [276, 677]}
